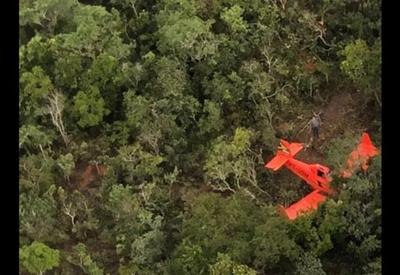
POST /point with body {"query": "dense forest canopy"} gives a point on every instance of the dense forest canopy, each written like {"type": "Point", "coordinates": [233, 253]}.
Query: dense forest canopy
{"type": "Point", "coordinates": [145, 125]}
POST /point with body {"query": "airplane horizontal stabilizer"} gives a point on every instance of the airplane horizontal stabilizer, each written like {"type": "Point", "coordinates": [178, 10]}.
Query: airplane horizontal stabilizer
{"type": "Point", "coordinates": [277, 162]}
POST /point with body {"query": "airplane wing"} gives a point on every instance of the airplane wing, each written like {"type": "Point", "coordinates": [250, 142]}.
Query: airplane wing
{"type": "Point", "coordinates": [277, 162]}
{"type": "Point", "coordinates": [366, 147]}
{"type": "Point", "coordinates": [306, 204]}
{"type": "Point", "coordinates": [360, 156]}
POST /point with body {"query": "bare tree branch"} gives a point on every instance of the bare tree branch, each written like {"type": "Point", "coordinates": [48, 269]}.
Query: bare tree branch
{"type": "Point", "coordinates": [55, 109]}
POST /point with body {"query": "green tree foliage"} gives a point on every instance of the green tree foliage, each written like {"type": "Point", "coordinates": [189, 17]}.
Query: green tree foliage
{"type": "Point", "coordinates": [32, 137]}
{"type": "Point", "coordinates": [81, 258]}
{"type": "Point", "coordinates": [183, 34]}
{"type": "Point", "coordinates": [272, 244]}
{"type": "Point", "coordinates": [362, 65]}
{"type": "Point", "coordinates": [35, 87]}
{"type": "Point", "coordinates": [229, 163]}
{"type": "Point", "coordinates": [233, 17]}
{"type": "Point", "coordinates": [136, 164]}
{"type": "Point", "coordinates": [45, 16]}
{"type": "Point", "coordinates": [145, 125]}
{"type": "Point", "coordinates": [67, 164]}
{"type": "Point", "coordinates": [189, 259]}
{"type": "Point", "coordinates": [89, 107]}
{"type": "Point", "coordinates": [225, 266]}
{"type": "Point", "coordinates": [39, 217]}
{"type": "Point", "coordinates": [211, 123]}
{"type": "Point", "coordinates": [77, 214]}
{"type": "Point", "coordinates": [309, 264]}
{"type": "Point", "coordinates": [38, 258]}
{"type": "Point", "coordinates": [236, 226]}
{"type": "Point", "coordinates": [136, 230]}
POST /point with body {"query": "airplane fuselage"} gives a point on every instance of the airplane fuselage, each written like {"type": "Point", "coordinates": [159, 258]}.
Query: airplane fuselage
{"type": "Point", "coordinates": [317, 176]}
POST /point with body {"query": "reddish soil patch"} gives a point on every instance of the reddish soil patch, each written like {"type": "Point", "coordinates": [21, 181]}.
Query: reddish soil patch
{"type": "Point", "coordinates": [310, 67]}
{"type": "Point", "coordinates": [86, 174]}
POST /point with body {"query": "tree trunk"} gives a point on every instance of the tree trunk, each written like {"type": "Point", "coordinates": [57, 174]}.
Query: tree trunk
{"type": "Point", "coordinates": [55, 109]}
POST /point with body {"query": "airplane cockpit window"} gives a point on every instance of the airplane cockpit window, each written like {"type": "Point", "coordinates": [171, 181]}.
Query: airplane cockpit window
{"type": "Point", "coordinates": [320, 173]}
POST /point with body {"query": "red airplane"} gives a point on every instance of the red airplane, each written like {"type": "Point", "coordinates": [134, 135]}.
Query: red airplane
{"type": "Point", "coordinates": [316, 175]}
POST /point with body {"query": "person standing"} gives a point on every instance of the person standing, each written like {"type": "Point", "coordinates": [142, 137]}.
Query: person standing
{"type": "Point", "coordinates": [315, 124]}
